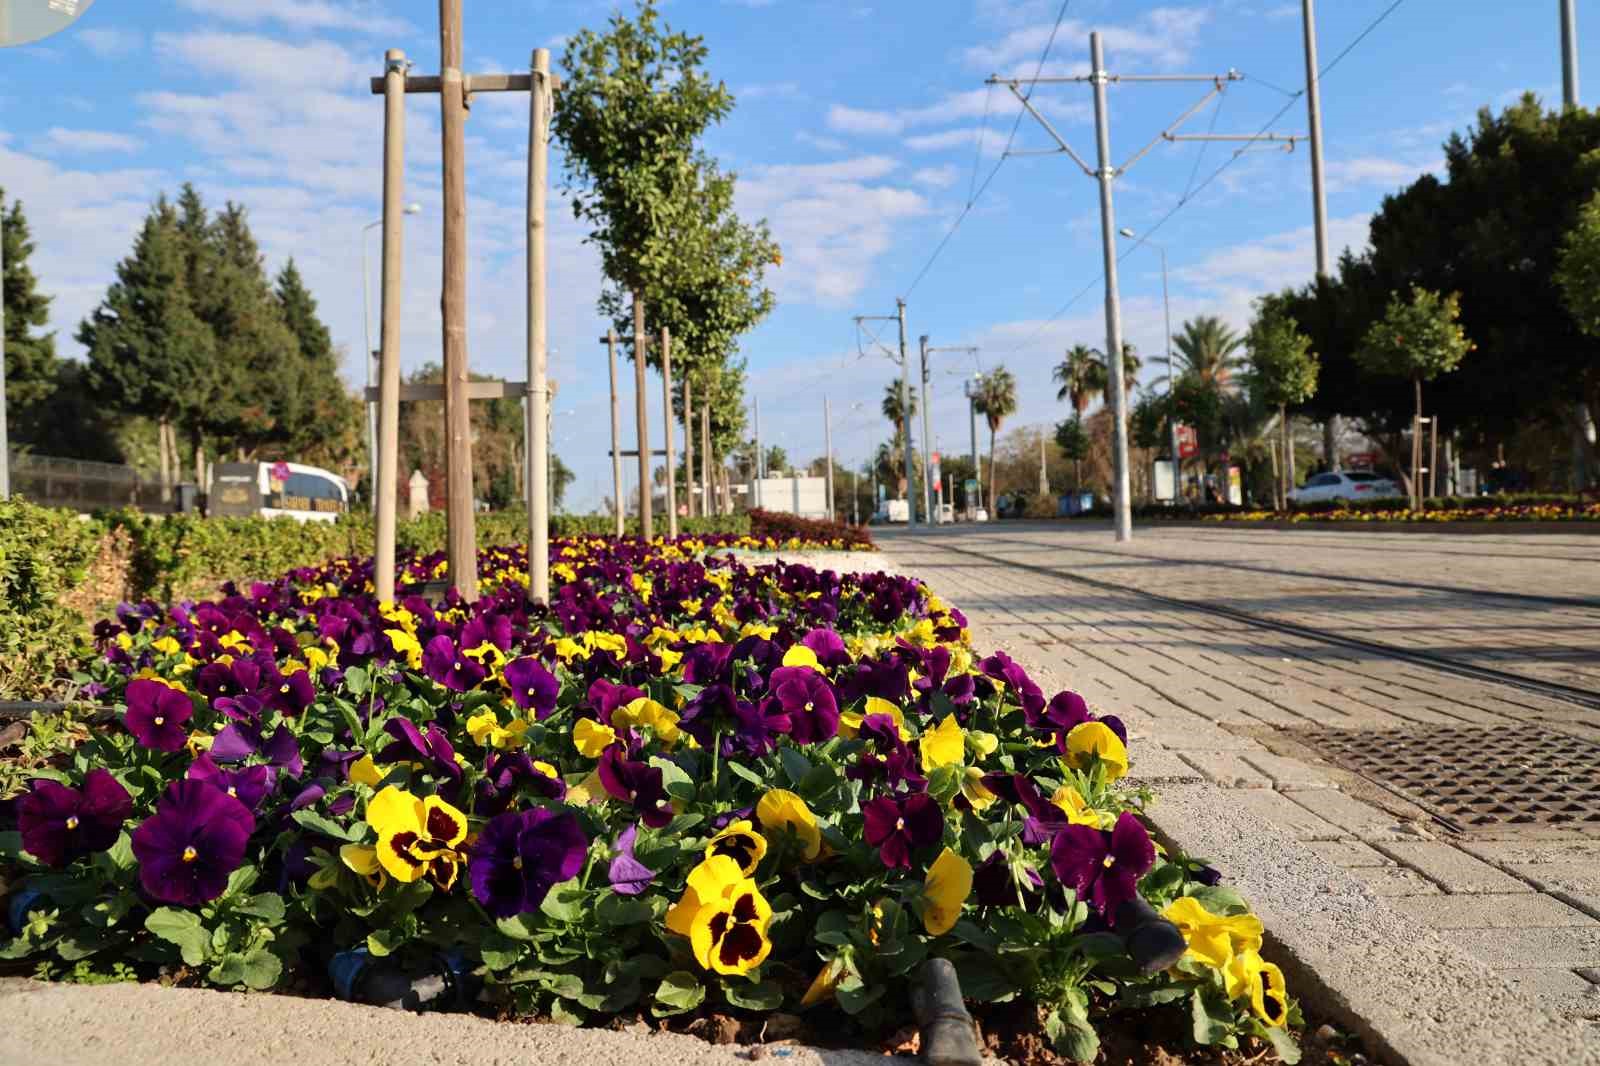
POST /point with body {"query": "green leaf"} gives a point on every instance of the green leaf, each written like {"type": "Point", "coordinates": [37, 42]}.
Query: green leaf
{"type": "Point", "coordinates": [1073, 1039]}
{"type": "Point", "coordinates": [741, 770]}
{"type": "Point", "coordinates": [240, 881]}
{"type": "Point", "coordinates": [517, 927]}
{"type": "Point", "coordinates": [832, 927]}
{"type": "Point", "coordinates": [501, 952]}
{"type": "Point", "coordinates": [268, 905]}
{"type": "Point", "coordinates": [182, 928]}
{"type": "Point", "coordinates": [318, 823]}
{"type": "Point", "coordinates": [620, 910]}
{"type": "Point", "coordinates": [679, 991]}
{"type": "Point", "coordinates": [262, 969]}
{"type": "Point", "coordinates": [352, 719]}
{"type": "Point", "coordinates": [854, 996]}
{"type": "Point", "coordinates": [229, 970]}
{"type": "Point", "coordinates": [11, 841]}
{"type": "Point", "coordinates": [1220, 899]}
{"type": "Point", "coordinates": [795, 765]}
{"type": "Point", "coordinates": [82, 943]}
{"type": "Point", "coordinates": [1098, 946]}
{"type": "Point", "coordinates": [1208, 1028]}
{"type": "Point", "coordinates": [1284, 1045]}
{"type": "Point", "coordinates": [381, 942]}
{"type": "Point", "coordinates": [355, 680]}
{"type": "Point", "coordinates": [768, 995]}
{"type": "Point", "coordinates": [564, 902]}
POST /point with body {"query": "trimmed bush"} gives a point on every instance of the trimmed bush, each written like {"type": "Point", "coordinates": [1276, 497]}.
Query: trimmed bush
{"type": "Point", "coordinates": [44, 555]}
{"type": "Point", "coordinates": [778, 526]}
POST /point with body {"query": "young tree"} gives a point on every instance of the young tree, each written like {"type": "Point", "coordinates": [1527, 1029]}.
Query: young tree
{"type": "Point", "coordinates": [1418, 338]}
{"type": "Point", "coordinates": [1283, 372]}
{"type": "Point", "coordinates": [996, 400]}
{"type": "Point", "coordinates": [1081, 376]}
{"type": "Point", "coordinates": [31, 367]}
{"type": "Point", "coordinates": [1073, 440]}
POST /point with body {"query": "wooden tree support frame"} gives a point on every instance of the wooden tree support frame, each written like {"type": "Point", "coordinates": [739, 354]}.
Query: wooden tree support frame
{"type": "Point", "coordinates": [455, 91]}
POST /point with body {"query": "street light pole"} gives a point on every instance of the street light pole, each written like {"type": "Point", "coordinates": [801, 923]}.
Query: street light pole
{"type": "Point", "coordinates": [366, 333]}
{"type": "Point", "coordinates": [827, 446]}
{"type": "Point", "coordinates": [1120, 489]}
{"type": "Point", "coordinates": [972, 416]}
{"type": "Point", "coordinates": [927, 459]}
{"type": "Point", "coordinates": [905, 418]}
{"type": "Point", "coordinates": [1172, 415]}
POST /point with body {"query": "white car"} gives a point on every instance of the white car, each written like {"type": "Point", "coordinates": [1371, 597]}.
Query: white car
{"type": "Point", "coordinates": [1345, 487]}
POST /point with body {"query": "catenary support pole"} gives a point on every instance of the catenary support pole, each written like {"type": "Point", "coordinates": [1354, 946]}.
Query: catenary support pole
{"type": "Point", "coordinates": [460, 541]}
{"type": "Point", "coordinates": [1319, 199]}
{"type": "Point", "coordinates": [927, 458]}
{"type": "Point", "coordinates": [1108, 236]}
{"type": "Point", "coordinates": [641, 347]}
{"type": "Point", "coordinates": [690, 471]}
{"type": "Point", "coordinates": [905, 417]}
{"type": "Point", "coordinates": [827, 448]}
{"type": "Point", "coordinates": [538, 438]}
{"type": "Point", "coordinates": [619, 505]}
{"type": "Point", "coordinates": [666, 425]}
{"type": "Point", "coordinates": [387, 475]}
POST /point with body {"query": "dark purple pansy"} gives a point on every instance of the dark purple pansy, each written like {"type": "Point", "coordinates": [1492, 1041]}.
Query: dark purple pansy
{"type": "Point", "coordinates": [521, 855]}
{"type": "Point", "coordinates": [196, 838]}
{"type": "Point", "coordinates": [829, 648]}
{"type": "Point", "coordinates": [533, 688]}
{"type": "Point", "coordinates": [1044, 818]}
{"type": "Point", "coordinates": [808, 699]}
{"type": "Point", "coordinates": [638, 784]}
{"type": "Point", "coordinates": [507, 771]}
{"type": "Point", "coordinates": [995, 883]}
{"type": "Point", "coordinates": [707, 663]}
{"type": "Point", "coordinates": [489, 628]}
{"type": "Point", "coordinates": [444, 662]}
{"type": "Point", "coordinates": [249, 785]}
{"type": "Point", "coordinates": [59, 823]}
{"type": "Point", "coordinates": [290, 693]}
{"type": "Point", "coordinates": [156, 715]}
{"type": "Point", "coordinates": [897, 825]}
{"type": "Point", "coordinates": [411, 745]}
{"type": "Point", "coordinates": [218, 680]}
{"type": "Point", "coordinates": [237, 742]}
{"type": "Point", "coordinates": [1064, 711]}
{"type": "Point", "coordinates": [1102, 867]}
{"type": "Point", "coordinates": [756, 727]}
{"type": "Point", "coordinates": [628, 876]}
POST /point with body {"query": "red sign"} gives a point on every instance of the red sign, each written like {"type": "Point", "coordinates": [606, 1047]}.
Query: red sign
{"type": "Point", "coordinates": [1188, 442]}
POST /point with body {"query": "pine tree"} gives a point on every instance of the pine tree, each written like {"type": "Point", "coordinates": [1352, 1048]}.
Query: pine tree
{"type": "Point", "coordinates": [328, 420]}
{"type": "Point", "coordinates": [31, 363]}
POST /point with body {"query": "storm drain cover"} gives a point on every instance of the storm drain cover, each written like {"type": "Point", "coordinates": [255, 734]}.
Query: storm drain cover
{"type": "Point", "coordinates": [1478, 778]}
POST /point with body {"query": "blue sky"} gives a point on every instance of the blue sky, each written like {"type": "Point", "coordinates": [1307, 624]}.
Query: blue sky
{"type": "Point", "coordinates": [857, 135]}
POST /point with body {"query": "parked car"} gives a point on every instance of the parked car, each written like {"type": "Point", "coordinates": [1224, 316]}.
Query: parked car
{"type": "Point", "coordinates": [1344, 487]}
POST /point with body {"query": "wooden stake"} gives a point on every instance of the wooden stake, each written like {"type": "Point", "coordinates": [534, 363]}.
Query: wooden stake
{"type": "Point", "coordinates": [460, 539]}
{"type": "Point", "coordinates": [705, 460]}
{"type": "Point", "coordinates": [666, 425]}
{"type": "Point", "coordinates": [689, 471]}
{"type": "Point", "coordinates": [641, 345]}
{"type": "Point", "coordinates": [618, 505]}
{"type": "Point", "coordinates": [538, 327]}
{"type": "Point", "coordinates": [388, 472]}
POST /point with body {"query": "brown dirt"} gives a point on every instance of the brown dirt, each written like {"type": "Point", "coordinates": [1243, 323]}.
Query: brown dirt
{"type": "Point", "coordinates": [106, 583]}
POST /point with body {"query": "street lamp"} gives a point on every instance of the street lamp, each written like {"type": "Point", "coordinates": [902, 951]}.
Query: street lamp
{"type": "Point", "coordinates": [366, 332]}
{"type": "Point", "coordinates": [1172, 415]}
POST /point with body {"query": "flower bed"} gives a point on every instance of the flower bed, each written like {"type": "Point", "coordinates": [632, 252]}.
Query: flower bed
{"type": "Point", "coordinates": [690, 785]}
{"type": "Point", "coordinates": [838, 536]}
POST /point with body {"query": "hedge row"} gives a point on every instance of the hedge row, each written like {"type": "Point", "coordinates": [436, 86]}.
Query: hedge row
{"type": "Point", "coordinates": [60, 571]}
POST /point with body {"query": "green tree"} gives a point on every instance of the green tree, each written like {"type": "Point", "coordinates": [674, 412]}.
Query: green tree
{"type": "Point", "coordinates": [328, 425]}
{"type": "Point", "coordinates": [1208, 349]}
{"type": "Point", "coordinates": [893, 411]}
{"type": "Point", "coordinates": [561, 478]}
{"type": "Point", "coordinates": [1073, 440]}
{"type": "Point", "coordinates": [31, 368]}
{"type": "Point", "coordinates": [1283, 373]}
{"type": "Point", "coordinates": [777, 461]}
{"type": "Point", "coordinates": [1578, 268]}
{"type": "Point", "coordinates": [1130, 372]}
{"type": "Point", "coordinates": [1081, 376]}
{"type": "Point", "coordinates": [1418, 338]}
{"type": "Point", "coordinates": [996, 400]}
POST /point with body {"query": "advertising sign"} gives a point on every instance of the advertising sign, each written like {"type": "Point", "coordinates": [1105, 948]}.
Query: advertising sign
{"type": "Point", "coordinates": [1188, 442]}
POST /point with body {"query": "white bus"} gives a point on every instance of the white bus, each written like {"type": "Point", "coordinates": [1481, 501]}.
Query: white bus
{"type": "Point", "coordinates": [304, 493]}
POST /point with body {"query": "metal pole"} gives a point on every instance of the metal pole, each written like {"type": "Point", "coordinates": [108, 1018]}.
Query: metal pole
{"type": "Point", "coordinates": [618, 504]}
{"type": "Point", "coordinates": [388, 464]}
{"type": "Point", "coordinates": [927, 460]}
{"type": "Point", "coordinates": [1172, 414]}
{"type": "Point", "coordinates": [977, 475]}
{"type": "Point", "coordinates": [1044, 478]}
{"type": "Point", "coordinates": [1319, 199]}
{"type": "Point", "coordinates": [855, 498]}
{"type": "Point", "coordinates": [5, 443]}
{"type": "Point", "coordinates": [905, 417]}
{"type": "Point", "coordinates": [827, 446]}
{"type": "Point", "coordinates": [460, 540]}
{"type": "Point", "coordinates": [707, 499]}
{"type": "Point", "coordinates": [666, 426]}
{"type": "Point", "coordinates": [755, 495]}
{"type": "Point", "coordinates": [538, 440]}
{"type": "Point", "coordinates": [641, 344]}
{"type": "Point", "coordinates": [1108, 236]}
{"type": "Point", "coordinates": [1569, 53]}
{"type": "Point", "coordinates": [366, 334]}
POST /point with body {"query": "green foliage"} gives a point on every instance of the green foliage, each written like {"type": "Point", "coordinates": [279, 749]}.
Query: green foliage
{"type": "Point", "coordinates": [1283, 368]}
{"type": "Point", "coordinates": [1417, 338]}
{"type": "Point", "coordinates": [1072, 439]}
{"type": "Point", "coordinates": [1081, 376]}
{"type": "Point", "coordinates": [996, 399]}
{"type": "Point", "coordinates": [31, 363]}
{"type": "Point", "coordinates": [1578, 268]}
{"type": "Point", "coordinates": [1208, 349]}
{"type": "Point", "coordinates": [1147, 422]}
{"type": "Point", "coordinates": [1130, 372]}
{"type": "Point", "coordinates": [44, 555]}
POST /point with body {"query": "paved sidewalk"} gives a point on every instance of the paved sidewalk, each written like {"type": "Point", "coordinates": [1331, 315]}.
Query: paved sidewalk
{"type": "Point", "coordinates": [1234, 704]}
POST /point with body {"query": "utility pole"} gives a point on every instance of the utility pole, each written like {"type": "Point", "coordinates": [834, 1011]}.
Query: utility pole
{"type": "Point", "coordinates": [1044, 478]}
{"type": "Point", "coordinates": [927, 461]}
{"type": "Point", "coordinates": [706, 501]}
{"type": "Point", "coordinates": [1105, 173]}
{"type": "Point", "coordinates": [760, 457]}
{"type": "Point", "coordinates": [618, 506]}
{"type": "Point", "coordinates": [538, 462]}
{"type": "Point", "coordinates": [905, 416]}
{"type": "Point", "coordinates": [1319, 199]}
{"type": "Point", "coordinates": [827, 447]}
{"type": "Point", "coordinates": [972, 409]}
{"type": "Point", "coordinates": [1172, 417]}
{"type": "Point", "coordinates": [972, 415]}
{"type": "Point", "coordinates": [1583, 430]}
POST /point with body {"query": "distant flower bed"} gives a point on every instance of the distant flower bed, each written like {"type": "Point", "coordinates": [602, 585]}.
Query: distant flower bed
{"type": "Point", "coordinates": [688, 785]}
{"type": "Point", "coordinates": [839, 536]}
{"type": "Point", "coordinates": [1546, 512]}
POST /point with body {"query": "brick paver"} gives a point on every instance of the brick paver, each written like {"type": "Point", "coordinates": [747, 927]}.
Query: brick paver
{"type": "Point", "coordinates": [1222, 698]}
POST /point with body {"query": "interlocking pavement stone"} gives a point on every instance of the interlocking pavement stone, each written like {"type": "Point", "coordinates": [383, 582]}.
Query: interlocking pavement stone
{"type": "Point", "coordinates": [1225, 769]}
{"type": "Point", "coordinates": [1289, 775]}
{"type": "Point", "coordinates": [1387, 881]}
{"type": "Point", "coordinates": [1517, 910]}
{"type": "Point", "coordinates": [1350, 814]}
{"type": "Point", "coordinates": [1348, 853]}
{"type": "Point", "coordinates": [1280, 810]}
{"type": "Point", "coordinates": [1455, 870]}
{"type": "Point", "coordinates": [1570, 947]}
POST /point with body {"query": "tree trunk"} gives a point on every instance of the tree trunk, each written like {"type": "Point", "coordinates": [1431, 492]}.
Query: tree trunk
{"type": "Point", "coordinates": [1282, 473]}
{"type": "Point", "coordinates": [1416, 449]}
{"type": "Point", "coordinates": [1279, 494]}
{"type": "Point", "coordinates": [166, 464]}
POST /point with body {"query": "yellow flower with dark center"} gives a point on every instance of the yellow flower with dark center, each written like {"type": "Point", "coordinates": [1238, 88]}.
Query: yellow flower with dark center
{"type": "Point", "coordinates": [974, 791]}
{"type": "Point", "coordinates": [945, 891]}
{"type": "Point", "coordinates": [741, 843]}
{"type": "Point", "coordinates": [1213, 939]}
{"type": "Point", "coordinates": [615, 643]}
{"type": "Point", "coordinates": [591, 738]}
{"type": "Point", "coordinates": [1249, 975]}
{"type": "Point", "coordinates": [645, 711]}
{"type": "Point", "coordinates": [486, 730]}
{"type": "Point", "coordinates": [404, 644]}
{"type": "Point", "coordinates": [782, 811]}
{"type": "Point", "coordinates": [725, 917]}
{"type": "Point", "coordinates": [1096, 740]}
{"type": "Point", "coordinates": [942, 745]}
{"type": "Point", "coordinates": [417, 837]}
{"type": "Point", "coordinates": [170, 645]}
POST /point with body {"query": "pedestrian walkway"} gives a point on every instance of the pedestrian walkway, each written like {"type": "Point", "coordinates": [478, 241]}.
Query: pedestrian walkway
{"type": "Point", "coordinates": [1433, 829]}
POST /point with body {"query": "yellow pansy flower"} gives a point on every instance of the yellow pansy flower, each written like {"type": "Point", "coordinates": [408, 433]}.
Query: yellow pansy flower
{"type": "Point", "coordinates": [974, 791]}
{"type": "Point", "coordinates": [741, 843]}
{"type": "Point", "coordinates": [363, 859]}
{"type": "Point", "coordinates": [591, 738]}
{"type": "Point", "coordinates": [781, 810]}
{"type": "Point", "coordinates": [942, 745]}
{"type": "Point", "coordinates": [486, 730]}
{"type": "Point", "coordinates": [1096, 740]}
{"type": "Point", "coordinates": [645, 711]}
{"type": "Point", "coordinates": [800, 655]}
{"type": "Point", "coordinates": [568, 649]}
{"type": "Point", "coordinates": [365, 772]}
{"type": "Point", "coordinates": [1213, 939]}
{"type": "Point", "coordinates": [417, 837]}
{"type": "Point", "coordinates": [822, 985]}
{"type": "Point", "coordinates": [725, 917]}
{"type": "Point", "coordinates": [945, 891]}
{"type": "Point", "coordinates": [1072, 803]}
{"type": "Point", "coordinates": [1249, 975]}
{"type": "Point", "coordinates": [170, 645]}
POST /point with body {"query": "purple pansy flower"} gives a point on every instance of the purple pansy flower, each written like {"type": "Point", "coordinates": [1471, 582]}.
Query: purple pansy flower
{"type": "Point", "coordinates": [995, 883]}
{"type": "Point", "coordinates": [896, 825]}
{"type": "Point", "coordinates": [521, 855]}
{"type": "Point", "coordinates": [410, 745]}
{"type": "Point", "coordinates": [706, 663]}
{"type": "Point", "coordinates": [533, 688]}
{"type": "Point", "coordinates": [156, 715]}
{"type": "Point", "coordinates": [829, 648]}
{"type": "Point", "coordinates": [489, 628]}
{"type": "Point", "coordinates": [249, 785]}
{"type": "Point", "coordinates": [628, 876]}
{"type": "Point", "coordinates": [443, 661]}
{"type": "Point", "coordinates": [756, 727]}
{"type": "Point", "coordinates": [237, 742]}
{"type": "Point", "coordinates": [638, 784]}
{"type": "Point", "coordinates": [60, 824]}
{"type": "Point", "coordinates": [196, 838]}
{"type": "Point", "coordinates": [1102, 867]}
{"type": "Point", "coordinates": [290, 693]}
{"type": "Point", "coordinates": [504, 773]}
{"type": "Point", "coordinates": [808, 699]}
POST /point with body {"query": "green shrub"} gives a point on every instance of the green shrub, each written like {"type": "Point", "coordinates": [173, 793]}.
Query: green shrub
{"type": "Point", "coordinates": [777, 525]}
{"type": "Point", "coordinates": [44, 554]}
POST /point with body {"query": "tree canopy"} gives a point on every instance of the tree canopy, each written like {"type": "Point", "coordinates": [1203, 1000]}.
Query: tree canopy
{"type": "Point", "coordinates": [31, 364]}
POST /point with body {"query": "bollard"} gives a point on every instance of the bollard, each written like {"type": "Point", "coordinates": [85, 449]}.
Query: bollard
{"type": "Point", "coordinates": [947, 1034]}
{"type": "Point", "coordinates": [359, 978]}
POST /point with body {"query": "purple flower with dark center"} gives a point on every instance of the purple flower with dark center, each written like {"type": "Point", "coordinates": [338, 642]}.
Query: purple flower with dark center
{"type": "Point", "coordinates": [1044, 819]}
{"type": "Point", "coordinates": [638, 784]}
{"type": "Point", "coordinates": [1102, 867]}
{"type": "Point", "coordinates": [886, 678]}
{"type": "Point", "coordinates": [156, 715]}
{"type": "Point", "coordinates": [290, 693]}
{"type": "Point", "coordinates": [308, 796]}
{"type": "Point", "coordinates": [443, 661]}
{"type": "Point", "coordinates": [707, 663]}
{"type": "Point", "coordinates": [713, 710]}
{"type": "Point", "coordinates": [237, 742]}
{"type": "Point", "coordinates": [808, 699]}
{"type": "Point", "coordinates": [628, 876]}
{"type": "Point", "coordinates": [1065, 710]}
{"type": "Point", "coordinates": [239, 678]}
{"type": "Point", "coordinates": [249, 785]}
{"type": "Point", "coordinates": [410, 745]}
{"type": "Point", "coordinates": [995, 883]}
{"type": "Point", "coordinates": [246, 708]}
{"type": "Point", "coordinates": [896, 825]}
{"type": "Point", "coordinates": [335, 763]}
{"type": "Point", "coordinates": [196, 838]}
{"type": "Point", "coordinates": [60, 824]}
{"type": "Point", "coordinates": [756, 727]}
{"type": "Point", "coordinates": [533, 688]}
{"type": "Point", "coordinates": [605, 697]}
{"type": "Point", "coordinates": [829, 648]}
{"type": "Point", "coordinates": [489, 628]}
{"type": "Point", "coordinates": [521, 855]}
{"type": "Point", "coordinates": [505, 772]}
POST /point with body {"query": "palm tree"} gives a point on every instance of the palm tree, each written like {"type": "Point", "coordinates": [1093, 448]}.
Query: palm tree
{"type": "Point", "coordinates": [1080, 376]}
{"type": "Point", "coordinates": [996, 398]}
{"type": "Point", "coordinates": [891, 406]}
{"type": "Point", "coordinates": [1207, 348]}
{"type": "Point", "coordinates": [1130, 372]}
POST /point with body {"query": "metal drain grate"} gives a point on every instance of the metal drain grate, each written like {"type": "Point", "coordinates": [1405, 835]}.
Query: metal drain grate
{"type": "Point", "coordinates": [1478, 778]}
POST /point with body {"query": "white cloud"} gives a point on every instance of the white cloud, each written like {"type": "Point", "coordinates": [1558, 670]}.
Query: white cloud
{"type": "Point", "coordinates": [856, 120]}
{"type": "Point", "coordinates": [937, 177]}
{"type": "Point", "coordinates": [782, 90]}
{"type": "Point", "coordinates": [1161, 37]}
{"type": "Point", "coordinates": [108, 41]}
{"type": "Point", "coordinates": [265, 62]}
{"type": "Point", "coordinates": [930, 142]}
{"type": "Point", "coordinates": [1377, 171]}
{"type": "Point", "coordinates": [825, 144]}
{"type": "Point", "coordinates": [359, 15]}
{"type": "Point", "coordinates": [89, 140]}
